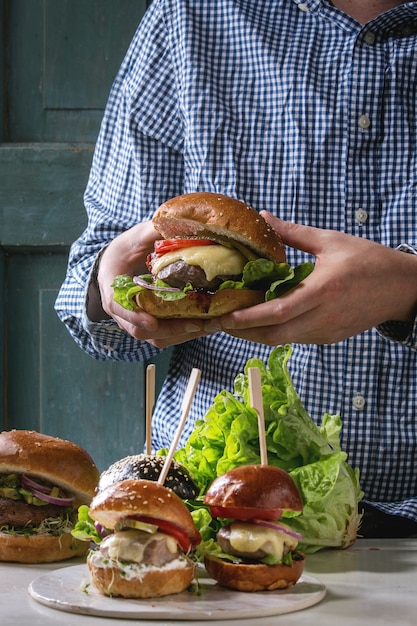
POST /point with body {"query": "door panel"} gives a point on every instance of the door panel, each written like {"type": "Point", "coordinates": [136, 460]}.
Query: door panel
{"type": "Point", "coordinates": [58, 62]}
{"type": "Point", "coordinates": [65, 55]}
{"type": "Point", "coordinates": [59, 389]}
{"type": "Point", "coordinates": [41, 193]}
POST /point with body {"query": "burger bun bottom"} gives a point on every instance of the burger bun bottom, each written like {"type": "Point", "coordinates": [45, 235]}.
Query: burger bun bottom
{"type": "Point", "coordinates": [198, 304]}
{"type": "Point", "coordinates": [154, 583]}
{"type": "Point", "coordinates": [256, 577]}
{"type": "Point", "coordinates": [40, 549]}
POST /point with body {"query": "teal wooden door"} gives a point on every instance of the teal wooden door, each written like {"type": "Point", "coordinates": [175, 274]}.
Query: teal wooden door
{"type": "Point", "coordinates": [59, 60]}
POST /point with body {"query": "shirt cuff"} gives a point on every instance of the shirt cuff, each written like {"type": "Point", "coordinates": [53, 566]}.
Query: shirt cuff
{"type": "Point", "coordinates": [404, 333]}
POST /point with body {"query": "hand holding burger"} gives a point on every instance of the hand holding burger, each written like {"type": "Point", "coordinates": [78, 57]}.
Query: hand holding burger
{"type": "Point", "coordinates": [216, 255]}
{"type": "Point", "coordinates": [256, 550]}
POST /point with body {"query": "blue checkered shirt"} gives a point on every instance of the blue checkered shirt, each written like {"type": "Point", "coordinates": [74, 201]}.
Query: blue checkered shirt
{"type": "Point", "coordinates": [293, 107]}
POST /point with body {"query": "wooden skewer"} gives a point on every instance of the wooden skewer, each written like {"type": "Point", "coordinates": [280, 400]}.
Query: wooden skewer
{"type": "Point", "coordinates": [150, 402]}
{"type": "Point", "coordinates": [185, 407]}
{"type": "Point", "coordinates": [255, 392]}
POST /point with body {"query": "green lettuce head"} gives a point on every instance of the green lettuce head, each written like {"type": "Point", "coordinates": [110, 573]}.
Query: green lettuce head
{"type": "Point", "coordinates": [228, 437]}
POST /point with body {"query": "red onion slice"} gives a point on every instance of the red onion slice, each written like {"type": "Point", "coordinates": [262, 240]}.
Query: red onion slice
{"type": "Point", "coordinates": [143, 283]}
{"type": "Point", "coordinates": [53, 499]}
{"type": "Point", "coordinates": [31, 484]}
{"type": "Point", "coordinates": [278, 527]}
{"type": "Point", "coordinates": [43, 492]}
{"type": "Point", "coordinates": [102, 531]}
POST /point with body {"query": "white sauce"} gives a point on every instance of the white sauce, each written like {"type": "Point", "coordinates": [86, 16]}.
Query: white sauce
{"type": "Point", "coordinates": [135, 570]}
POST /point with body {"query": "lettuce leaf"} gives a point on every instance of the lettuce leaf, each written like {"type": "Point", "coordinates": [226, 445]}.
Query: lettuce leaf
{"type": "Point", "coordinates": [274, 278]}
{"type": "Point", "coordinates": [85, 529]}
{"type": "Point", "coordinates": [228, 437]}
{"type": "Point", "coordinates": [125, 290]}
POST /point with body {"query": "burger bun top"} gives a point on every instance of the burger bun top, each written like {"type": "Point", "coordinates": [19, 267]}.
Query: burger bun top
{"type": "Point", "coordinates": [149, 467]}
{"type": "Point", "coordinates": [219, 217]}
{"type": "Point", "coordinates": [135, 498]}
{"type": "Point", "coordinates": [56, 461]}
{"type": "Point", "coordinates": [255, 487]}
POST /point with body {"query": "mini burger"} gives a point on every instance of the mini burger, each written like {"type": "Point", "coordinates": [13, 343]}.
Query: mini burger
{"type": "Point", "coordinates": [216, 255]}
{"type": "Point", "coordinates": [43, 481]}
{"type": "Point", "coordinates": [150, 466]}
{"type": "Point", "coordinates": [255, 550]}
{"type": "Point", "coordinates": [149, 537]}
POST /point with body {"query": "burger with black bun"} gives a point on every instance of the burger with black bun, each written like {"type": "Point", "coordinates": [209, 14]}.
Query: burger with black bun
{"type": "Point", "coordinates": [150, 466]}
{"type": "Point", "coordinates": [43, 481]}
{"type": "Point", "coordinates": [216, 255]}
{"type": "Point", "coordinates": [256, 551]}
{"type": "Point", "coordinates": [148, 537]}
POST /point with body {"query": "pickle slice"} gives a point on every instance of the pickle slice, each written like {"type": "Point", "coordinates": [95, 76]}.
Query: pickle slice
{"type": "Point", "coordinates": [137, 524]}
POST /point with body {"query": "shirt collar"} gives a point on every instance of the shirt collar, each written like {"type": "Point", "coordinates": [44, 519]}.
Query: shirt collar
{"type": "Point", "coordinates": [399, 22]}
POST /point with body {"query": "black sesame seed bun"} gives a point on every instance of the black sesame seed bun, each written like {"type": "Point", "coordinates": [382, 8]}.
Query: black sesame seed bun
{"type": "Point", "coordinates": [149, 467]}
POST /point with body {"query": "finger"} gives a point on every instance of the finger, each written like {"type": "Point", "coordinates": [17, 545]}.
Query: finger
{"type": "Point", "coordinates": [305, 238]}
{"type": "Point", "coordinates": [299, 301]}
{"type": "Point", "coordinates": [160, 333]}
{"type": "Point", "coordinates": [309, 328]}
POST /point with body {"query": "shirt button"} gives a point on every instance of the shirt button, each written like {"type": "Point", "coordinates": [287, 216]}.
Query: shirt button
{"type": "Point", "coordinates": [361, 216]}
{"type": "Point", "coordinates": [364, 122]}
{"type": "Point", "coordinates": [303, 7]}
{"type": "Point", "coordinates": [369, 38]}
{"type": "Point", "coordinates": [359, 402]}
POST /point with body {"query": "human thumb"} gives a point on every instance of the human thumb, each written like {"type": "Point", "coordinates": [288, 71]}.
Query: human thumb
{"type": "Point", "coordinates": [305, 238]}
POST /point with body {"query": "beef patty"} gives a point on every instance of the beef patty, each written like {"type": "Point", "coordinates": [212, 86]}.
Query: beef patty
{"type": "Point", "coordinates": [18, 514]}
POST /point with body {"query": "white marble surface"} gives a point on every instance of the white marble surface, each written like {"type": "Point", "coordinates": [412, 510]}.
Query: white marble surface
{"type": "Point", "coordinates": [373, 582]}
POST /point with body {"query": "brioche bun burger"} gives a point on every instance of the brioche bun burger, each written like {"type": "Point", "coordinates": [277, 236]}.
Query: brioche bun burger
{"type": "Point", "coordinates": [255, 550]}
{"type": "Point", "coordinates": [148, 537]}
{"type": "Point", "coordinates": [216, 255]}
{"type": "Point", "coordinates": [43, 481]}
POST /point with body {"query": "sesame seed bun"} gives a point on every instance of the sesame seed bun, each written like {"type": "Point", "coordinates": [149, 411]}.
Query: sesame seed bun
{"type": "Point", "coordinates": [227, 221]}
{"type": "Point", "coordinates": [153, 583]}
{"type": "Point", "coordinates": [131, 498]}
{"type": "Point", "coordinates": [149, 467]}
{"type": "Point", "coordinates": [213, 215]}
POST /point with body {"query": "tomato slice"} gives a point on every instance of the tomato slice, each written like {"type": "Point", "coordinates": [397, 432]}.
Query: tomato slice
{"type": "Point", "coordinates": [245, 514]}
{"type": "Point", "coordinates": [166, 527]}
{"type": "Point", "coordinates": [162, 246]}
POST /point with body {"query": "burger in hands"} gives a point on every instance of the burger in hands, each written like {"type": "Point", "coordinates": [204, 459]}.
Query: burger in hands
{"type": "Point", "coordinates": [146, 537]}
{"type": "Point", "coordinates": [216, 255]}
{"type": "Point", "coordinates": [255, 551]}
{"type": "Point", "coordinates": [43, 481]}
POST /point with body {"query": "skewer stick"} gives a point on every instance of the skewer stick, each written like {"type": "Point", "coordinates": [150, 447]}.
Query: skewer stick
{"type": "Point", "coordinates": [150, 401]}
{"type": "Point", "coordinates": [185, 407]}
{"type": "Point", "coordinates": [255, 392]}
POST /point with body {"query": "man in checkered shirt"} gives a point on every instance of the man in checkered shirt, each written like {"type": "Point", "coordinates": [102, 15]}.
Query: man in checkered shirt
{"type": "Point", "coordinates": [306, 109]}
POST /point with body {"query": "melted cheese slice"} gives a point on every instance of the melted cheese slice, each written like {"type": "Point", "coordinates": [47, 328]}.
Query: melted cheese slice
{"type": "Point", "coordinates": [129, 545]}
{"type": "Point", "coordinates": [215, 260]}
{"type": "Point", "coordinates": [246, 537]}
